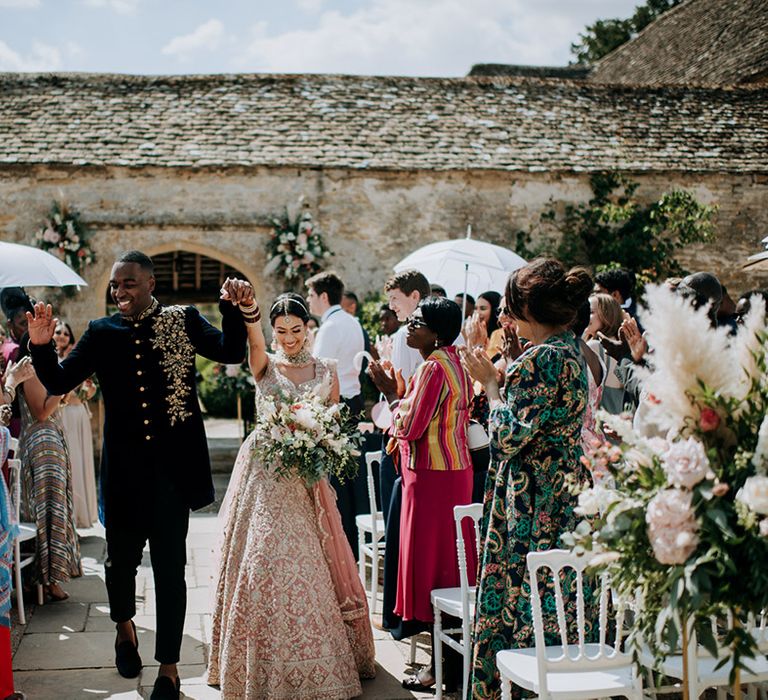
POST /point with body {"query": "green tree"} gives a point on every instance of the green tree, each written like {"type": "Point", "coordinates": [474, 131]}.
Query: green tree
{"type": "Point", "coordinates": [615, 230]}
{"type": "Point", "coordinates": [605, 35]}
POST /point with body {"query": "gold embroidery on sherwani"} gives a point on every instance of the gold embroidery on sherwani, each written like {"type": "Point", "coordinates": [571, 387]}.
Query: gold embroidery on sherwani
{"type": "Point", "coordinates": [177, 355]}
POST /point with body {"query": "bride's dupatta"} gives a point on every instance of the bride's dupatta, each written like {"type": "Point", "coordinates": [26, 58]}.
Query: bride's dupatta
{"type": "Point", "coordinates": [346, 581]}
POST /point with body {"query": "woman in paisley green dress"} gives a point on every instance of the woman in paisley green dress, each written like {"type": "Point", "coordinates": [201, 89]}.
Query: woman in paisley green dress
{"type": "Point", "coordinates": [535, 433]}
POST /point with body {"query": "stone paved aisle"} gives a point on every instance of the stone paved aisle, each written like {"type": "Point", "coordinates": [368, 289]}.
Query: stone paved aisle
{"type": "Point", "coordinates": [67, 649]}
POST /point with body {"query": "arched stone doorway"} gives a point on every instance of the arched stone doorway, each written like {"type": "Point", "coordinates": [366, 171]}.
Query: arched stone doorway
{"type": "Point", "coordinates": [185, 277]}
{"type": "Point", "coordinates": [188, 273]}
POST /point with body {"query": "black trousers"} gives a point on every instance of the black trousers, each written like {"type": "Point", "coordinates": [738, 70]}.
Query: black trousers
{"type": "Point", "coordinates": [352, 495]}
{"type": "Point", "coordinates": [387, 476]}
{"type": "Point", "coordinates": [163, 520]}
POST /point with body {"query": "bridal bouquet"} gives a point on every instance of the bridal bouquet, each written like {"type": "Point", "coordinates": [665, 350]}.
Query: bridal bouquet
{"type": "Point", "coordinates": [681, 518]}
{"type": "Point", "coordinates": [304, 436]}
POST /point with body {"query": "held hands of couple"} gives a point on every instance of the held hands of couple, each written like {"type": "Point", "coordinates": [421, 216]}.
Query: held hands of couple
{"type": "Point", "coordinates": [240, 293]}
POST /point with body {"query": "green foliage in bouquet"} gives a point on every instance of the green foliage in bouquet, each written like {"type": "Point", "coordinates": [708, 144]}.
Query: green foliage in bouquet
{"type": "Point", "coordinates": [678, 514]}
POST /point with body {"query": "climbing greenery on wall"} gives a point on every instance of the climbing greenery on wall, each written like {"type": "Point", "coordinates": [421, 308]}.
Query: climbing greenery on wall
{"type": "Point", "coordinates": [64, 235]}
{"type": "Point", "coordinates": [296, 249]}
{"type": "Point", "coordinates": [614, 229]}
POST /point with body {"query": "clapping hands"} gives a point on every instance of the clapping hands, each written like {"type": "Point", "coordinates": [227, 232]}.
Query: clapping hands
{"type": "Point", "coordinates": [387, 379]}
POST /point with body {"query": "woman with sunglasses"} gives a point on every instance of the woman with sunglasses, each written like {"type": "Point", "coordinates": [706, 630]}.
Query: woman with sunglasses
{"type": "Point", "coordinates": [429, 437]}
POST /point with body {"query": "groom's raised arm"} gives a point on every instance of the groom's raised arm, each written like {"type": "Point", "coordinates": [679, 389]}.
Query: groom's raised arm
{"type": "Point", "coordinates": [226, 345]}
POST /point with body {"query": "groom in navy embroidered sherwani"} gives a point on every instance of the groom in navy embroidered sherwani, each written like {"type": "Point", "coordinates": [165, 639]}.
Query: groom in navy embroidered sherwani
{"type": "Point", "coordinates": [155, 464]}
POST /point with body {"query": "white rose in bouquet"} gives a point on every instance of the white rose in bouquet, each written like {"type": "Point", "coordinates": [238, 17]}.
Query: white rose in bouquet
{"type": "Point", "coordinates": [754, 494]}
{"type": "Point", "coordinates": [595, 500]}
{"type": "Point", "coordinates": [686, 463]}
{"type": "Point", "coordinates": [672, 527]}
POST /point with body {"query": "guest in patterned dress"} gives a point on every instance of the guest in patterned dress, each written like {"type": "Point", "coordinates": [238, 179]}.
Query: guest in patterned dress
{"type": "Point", "coordinates": [46, 487]}
{"type": "Point", "coordinates": [536, 444]}
{"type": "Point", "coordinates": [429, 437]}
{"type": "Point", "coordinates": [291, 619]}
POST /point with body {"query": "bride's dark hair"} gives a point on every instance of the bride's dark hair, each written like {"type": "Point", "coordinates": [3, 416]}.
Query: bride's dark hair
{"type": "Point", "coordinates": [289, 304]}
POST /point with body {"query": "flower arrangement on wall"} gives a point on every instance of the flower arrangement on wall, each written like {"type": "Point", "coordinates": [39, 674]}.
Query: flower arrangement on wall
{"type": "Point", "coordinates": [296, 249]}
{"type": "Point", "coordinates": [64, 236]}
{"type": "Point", "coordinates": [679, 517]}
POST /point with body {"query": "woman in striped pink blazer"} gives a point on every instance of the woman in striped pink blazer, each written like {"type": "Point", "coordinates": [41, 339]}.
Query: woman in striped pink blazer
{"type": "Point", "coordinates": [429, 443]}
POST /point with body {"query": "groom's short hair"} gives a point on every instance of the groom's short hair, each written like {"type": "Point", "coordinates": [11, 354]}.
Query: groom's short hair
{"type": "Point", "coordinates": [408, 282]}
{"type": "Point", "coordinates": [136, 256]}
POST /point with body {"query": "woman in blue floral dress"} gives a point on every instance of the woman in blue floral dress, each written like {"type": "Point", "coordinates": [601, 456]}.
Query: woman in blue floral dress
{"type": "Point", "coordinates": [535, 445]}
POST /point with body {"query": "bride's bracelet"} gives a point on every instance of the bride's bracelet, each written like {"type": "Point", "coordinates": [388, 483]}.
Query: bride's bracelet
{"type": "Point", "coordinates": [251, 312]}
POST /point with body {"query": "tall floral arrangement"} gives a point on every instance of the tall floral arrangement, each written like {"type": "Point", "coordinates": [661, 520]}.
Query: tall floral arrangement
{"type": "Point", "coordinates": [296, 249]}
{"type": "Point", "coordinates": [680, 520]}
{"type": "Point", "coordinates": [64, 235]}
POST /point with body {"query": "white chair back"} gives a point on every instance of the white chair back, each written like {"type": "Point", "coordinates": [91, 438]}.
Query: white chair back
{"type": "Point", "coordinates": [371, 459]}
{"type": "Point", "coordinates": [575, 656]}
{"type": "Point", "coordinates": [474, 511]}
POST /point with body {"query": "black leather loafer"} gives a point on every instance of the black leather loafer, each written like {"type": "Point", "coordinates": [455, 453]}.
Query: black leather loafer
{"type": "Point", "coordinates": [127, 657]}
{"type": "Point", "coordinates": [166, 689]}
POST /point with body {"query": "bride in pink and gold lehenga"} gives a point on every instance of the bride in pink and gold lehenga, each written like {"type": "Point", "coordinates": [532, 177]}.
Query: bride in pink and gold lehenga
{"type": "Point", "coordinates": [291, 616]}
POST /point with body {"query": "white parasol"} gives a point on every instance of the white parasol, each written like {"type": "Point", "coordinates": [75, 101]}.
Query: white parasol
{"type": "Point", "coordinates": [464, 265]}
{"type": "Point", "coordinates": [26, 266]}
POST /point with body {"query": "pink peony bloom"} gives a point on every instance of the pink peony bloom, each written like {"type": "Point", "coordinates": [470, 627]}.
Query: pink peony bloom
{"type": "Point", "coordinates": [709, 420]}
{"type": "Point", "coordinates": [672, 527]}
{"type": "Point", "coordinates": [685, 463]}
{"type": "Point", "coordinates": [50, 236]}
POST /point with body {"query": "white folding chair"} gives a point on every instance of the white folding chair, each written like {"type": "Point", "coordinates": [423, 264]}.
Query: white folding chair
{"type": "Point", "coordinates": [571, 670]}
{"type": "Point", "coordinates": [26, 531]}
{"type": "Point", "coordinates": [371, 524]}
{"type": "Point", "coordinates": [457, 602]}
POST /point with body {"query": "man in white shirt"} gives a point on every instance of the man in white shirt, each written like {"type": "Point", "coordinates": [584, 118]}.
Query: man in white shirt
{"type": "Point", "coordinates": [340, 338]}
{"type": "Point", "coordinates": [404, 291]}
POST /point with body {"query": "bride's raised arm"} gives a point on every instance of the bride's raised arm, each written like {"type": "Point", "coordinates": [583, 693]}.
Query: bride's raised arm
{"type": "Point", "coordinates": [257, 344]}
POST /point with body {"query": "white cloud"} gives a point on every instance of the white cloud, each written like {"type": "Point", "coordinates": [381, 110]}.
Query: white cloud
{"type": "Point", "coordinates": [42, 57]}
{"type": "Point", "coordinates": [426, 37]}
{"type": "Point", "coordinates": [206, 37]}
{"type": "Point", "coordinates": [309, 5]}
{"type": "Point", "coordinates": [21, 4]}
{"type": "Point", "coordinates": [123, 7]}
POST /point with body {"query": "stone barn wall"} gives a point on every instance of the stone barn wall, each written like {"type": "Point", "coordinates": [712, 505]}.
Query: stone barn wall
{"type": "Point", "coordinates": [371, 218]}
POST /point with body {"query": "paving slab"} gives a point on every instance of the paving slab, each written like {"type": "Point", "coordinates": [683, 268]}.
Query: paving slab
{"type": "Point", "coordinates": [59, 617]}
{"type": "Point", "coordinates": [74, 685]}
{"type": "Point", "coordinates": [65, 651]}
{"type": "Point", "coordinates": [86, 589]}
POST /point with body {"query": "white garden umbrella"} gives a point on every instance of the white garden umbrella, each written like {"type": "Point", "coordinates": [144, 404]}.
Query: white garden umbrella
{"type": "Point", "coordinates": [758, 261]}
{"type": "Point", "coordinates": [26, 266]}
{"type": "Point", "coordinates": [464, 265]}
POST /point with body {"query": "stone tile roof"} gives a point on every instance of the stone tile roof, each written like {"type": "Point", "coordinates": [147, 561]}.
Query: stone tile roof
{"type": "Point", "coordinates": [378, 123]}
{"type": "Point", "coordinates": [702, 42]}
{"type": "Point", "coordinates": [511, 70]}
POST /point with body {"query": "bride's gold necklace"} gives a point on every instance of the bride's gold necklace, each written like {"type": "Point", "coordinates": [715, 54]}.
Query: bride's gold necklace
{"type": "Point", "coordinates": [300, 359]}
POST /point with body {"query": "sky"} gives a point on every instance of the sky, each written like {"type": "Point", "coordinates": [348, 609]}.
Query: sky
{"type": "Point", "coordinates": [374, 37]}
